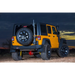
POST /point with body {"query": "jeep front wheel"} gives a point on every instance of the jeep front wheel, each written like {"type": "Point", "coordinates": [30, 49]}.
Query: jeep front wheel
{"type": "Point", "coordinates": [63, 51]}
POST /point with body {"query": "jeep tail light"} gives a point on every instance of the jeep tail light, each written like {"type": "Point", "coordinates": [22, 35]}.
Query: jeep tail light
{"type": "Point", "coordinates": [24, 26]}
{"type": "Point", "coordinates": [12, 38]}
{"type": "Point", "coordinates": [39, 37]}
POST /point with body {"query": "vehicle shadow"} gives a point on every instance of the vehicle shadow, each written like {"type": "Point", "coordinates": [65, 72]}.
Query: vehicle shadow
{"type": "Point", "coordinates": [6, 55]}
{"type": "Point", "coordinates": [53, 55]}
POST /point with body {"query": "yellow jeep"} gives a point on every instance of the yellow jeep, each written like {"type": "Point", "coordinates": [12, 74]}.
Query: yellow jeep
{"type": "Point", "coordinates": [38, 40]}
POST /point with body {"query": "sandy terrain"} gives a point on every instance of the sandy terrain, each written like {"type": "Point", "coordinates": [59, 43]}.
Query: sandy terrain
{"type": "Point", "coordinates": [26, 58]}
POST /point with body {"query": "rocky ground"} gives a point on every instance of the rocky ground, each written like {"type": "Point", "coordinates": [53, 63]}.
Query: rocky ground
{"type": "Point", "coordinates": [6, 58]}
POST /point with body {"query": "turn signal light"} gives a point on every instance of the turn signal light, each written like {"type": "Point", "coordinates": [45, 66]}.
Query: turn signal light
{"type": "Point", "coordinates": [12, 38]}
{"type": "Point", "coordinates": [39, 37]}
{"type": "Point", "coordinates": [30, 53]}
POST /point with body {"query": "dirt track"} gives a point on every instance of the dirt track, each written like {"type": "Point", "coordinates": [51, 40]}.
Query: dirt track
{"type": "Point", "coordinates": [26, 58]}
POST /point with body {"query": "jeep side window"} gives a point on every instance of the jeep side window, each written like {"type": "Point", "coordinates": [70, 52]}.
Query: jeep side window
{"type": "Point", "coordinates": [49, 29]}
{"type": "Point", "coordinates": [43, 30]}
{"type": "Point", "coordinates": [54, 31]}
{"type": "Point", "coordinates": [31, 28]}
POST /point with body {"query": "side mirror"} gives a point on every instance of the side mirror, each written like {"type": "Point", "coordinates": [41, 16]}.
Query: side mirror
{"type": "Point", "coordinates": [58, 32]}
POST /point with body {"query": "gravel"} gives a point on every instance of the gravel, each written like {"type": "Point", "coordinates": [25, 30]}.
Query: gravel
{"type": "Point", "coordinates": [6, 58]}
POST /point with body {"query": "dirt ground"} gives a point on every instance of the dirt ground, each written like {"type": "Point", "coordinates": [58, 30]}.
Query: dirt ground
{"type": "Point", "coordinates": [6, 58]}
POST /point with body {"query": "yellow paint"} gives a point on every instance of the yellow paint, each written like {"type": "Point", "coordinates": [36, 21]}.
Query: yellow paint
{"type": "Point", "coordinates": [15, 43]}
{"type": "Point", "coordinates": [53, 37]}
{"type": "Point", "coordinates": [20, 53]}
{"type": "Point", "coordinates": [53, 40]}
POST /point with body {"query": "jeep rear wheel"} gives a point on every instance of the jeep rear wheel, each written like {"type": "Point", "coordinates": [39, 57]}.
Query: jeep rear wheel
{"type": "Point", "coordinates": [63, 51]}
{"type": "Point", "coordinates": [24, 36]}
{"type": "Point", "coordinates": [47, 52]}
{"type": "Point", "coordinates": [16, 56]}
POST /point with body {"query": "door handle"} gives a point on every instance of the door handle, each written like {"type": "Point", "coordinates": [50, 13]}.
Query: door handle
{"type": "Point", "coordinates": [53, 36]}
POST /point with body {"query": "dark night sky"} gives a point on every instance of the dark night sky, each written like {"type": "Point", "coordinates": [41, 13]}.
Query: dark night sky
{"type": "Point", "coordinates": [66, 21]}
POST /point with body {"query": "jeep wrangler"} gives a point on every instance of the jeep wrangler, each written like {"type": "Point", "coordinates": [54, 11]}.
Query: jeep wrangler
{"type": "Point", "coordinates": [38, 40]}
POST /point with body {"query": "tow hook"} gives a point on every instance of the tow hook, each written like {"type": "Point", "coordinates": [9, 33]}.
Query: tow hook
{"type": "Point", "coordinates": [30, 53]}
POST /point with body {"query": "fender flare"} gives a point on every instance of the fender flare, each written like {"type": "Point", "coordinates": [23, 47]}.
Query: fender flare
{"type": "Point", "coordinates": [62, 41]}
{"type": "Point", "coordinates": [44, 40]}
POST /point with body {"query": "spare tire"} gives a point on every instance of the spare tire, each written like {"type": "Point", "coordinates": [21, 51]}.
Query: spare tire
{"type": "Point", "coordinates": [24, 36]}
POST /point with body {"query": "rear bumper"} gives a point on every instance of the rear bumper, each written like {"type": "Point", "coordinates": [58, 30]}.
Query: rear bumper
{"type": "Point", "coordinates": [13, 48]}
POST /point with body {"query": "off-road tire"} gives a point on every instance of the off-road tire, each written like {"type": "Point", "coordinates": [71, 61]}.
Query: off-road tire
{"type": "Point", "coordinates": [46, 54]}
{"type": "Point", "coordinates": [20, 33]}
{"type": "Point", "coordinates": [16, 56]}
{"type": "Point", "coordinates": [63, 51]}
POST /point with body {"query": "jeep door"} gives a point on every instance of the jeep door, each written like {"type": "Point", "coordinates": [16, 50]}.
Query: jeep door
{"type": "Point", "coordinates": [49, 35]}
{"type": "Point", "coordinates": [55, 37]}
{"type": "Point", "coordinates": [52, 36]}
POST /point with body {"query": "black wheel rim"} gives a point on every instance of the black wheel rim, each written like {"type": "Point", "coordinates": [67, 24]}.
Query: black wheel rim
{"type": "Point", "coordinates": [23, 36]}
{"type": "Point", "coordinates": [64, 50]}
{"type": "Point", "coordinates": [48, 52]}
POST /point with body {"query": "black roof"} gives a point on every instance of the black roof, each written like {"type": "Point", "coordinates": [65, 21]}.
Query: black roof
{"type": "Point", "coordinates": [47, 23]}
{"type": "Point", "coordinates": [35, 23]}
